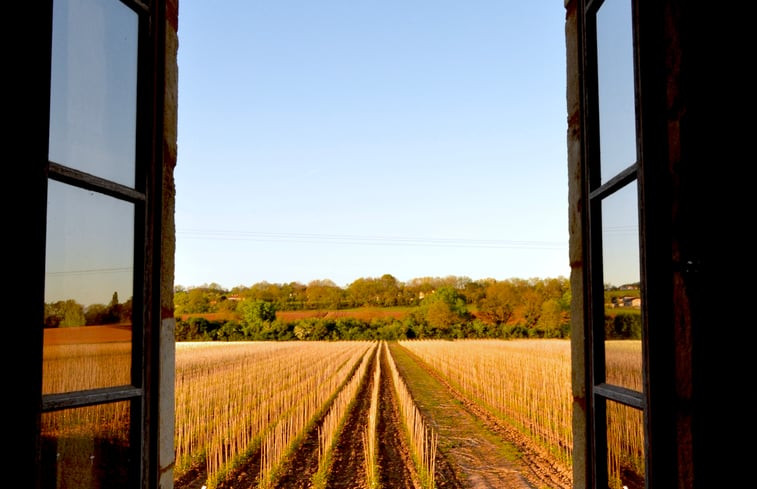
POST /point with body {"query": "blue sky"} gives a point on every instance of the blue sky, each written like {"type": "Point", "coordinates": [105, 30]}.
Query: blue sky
{"type": "Point", "coordinates": [346, 139]}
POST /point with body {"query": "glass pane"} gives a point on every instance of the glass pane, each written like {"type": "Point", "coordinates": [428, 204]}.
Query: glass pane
{"type": "Point", "coordinates": [93, 95]}
{"type": "Point", "coordinates": [86, 447]}
{"type": "Point", "coordinates": [622, 291]}
{"type": "Point", "coordinates": [88, 290]}
{"type": "Point", "coordinates": [625, 446]}
{"type": "Point", "coordinates": [617, 115]}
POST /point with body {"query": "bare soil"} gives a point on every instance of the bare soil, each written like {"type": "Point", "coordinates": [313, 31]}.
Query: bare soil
{"type": "Point", "coordinates": [360, 313]}
{"type": "Point", "coordinates": [348, 456]}
{"type": "Point", "coordinates": [111, 333]}
{"type": "Point", "coordinates": [395, 464]}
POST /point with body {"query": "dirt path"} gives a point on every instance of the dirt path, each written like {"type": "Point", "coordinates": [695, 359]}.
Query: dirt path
{"type": "Point", "coordinates": [481, 456]}
{"type": "Point", "coordinates": [540, 468]}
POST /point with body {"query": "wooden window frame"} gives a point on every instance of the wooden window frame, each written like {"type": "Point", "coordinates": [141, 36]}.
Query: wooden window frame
{"type": "Point", "coordinates": [652, 176]}
{"type": "Point", "coordinates": [30, 170]}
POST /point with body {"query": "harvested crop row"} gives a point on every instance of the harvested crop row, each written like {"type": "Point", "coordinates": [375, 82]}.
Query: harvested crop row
{"type": "Point", "coordinates": [330, 429]}
{"type": "Point", "coordinates": [423, 439]}
{"type": "Point", "coordinates": [527, 384]}
{"type": "Point", "coordinates": [369, 435]}
{"type": "Point", "coordinates": [235, 400]}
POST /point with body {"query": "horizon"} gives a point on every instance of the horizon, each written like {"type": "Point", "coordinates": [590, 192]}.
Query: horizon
{"type": "Point", "coordinates": [211, 284]}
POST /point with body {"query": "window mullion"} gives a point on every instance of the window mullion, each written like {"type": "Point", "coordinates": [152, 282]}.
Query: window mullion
{"type": "Point", "coordinates": [87, 181]}
{"type": "Point", "coordinates": [65, 400]}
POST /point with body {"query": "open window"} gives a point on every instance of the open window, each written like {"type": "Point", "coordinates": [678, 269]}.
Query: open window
{"type": "Point", "coordinates": [90, 131]}
{"type": "Point", "coordinates": [650, 193]}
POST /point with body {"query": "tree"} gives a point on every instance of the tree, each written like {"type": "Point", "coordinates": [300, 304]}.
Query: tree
{"type": "Point", "coordinates": [499, 303]}
{"type": "Point", "coordinates": [62, 314]}
{"type": "Point", "coordinates": [530, 307]}
{"type": "Point", "coordinates": [114, 310]}
{"type": "Point", "coordinates": [257, 316]}
{"type": "Point", "coordinates": [323, 294]}
{"type": "Point", "coordinates": [96, 314]}
{"type": "Point", "coordinates": [197, 302]}
{"type": "Point", "coordinates": [384, 291]}
{"type": "Point", "coordinates": [551, 318]}
{"type": "Point", "coordinates": [444, 309]}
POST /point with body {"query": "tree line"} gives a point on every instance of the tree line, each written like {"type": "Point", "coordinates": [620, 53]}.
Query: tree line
{"type": "Point", "coordinates": [69, 313]}
{"type": "Point", "coordinates": [384, 291]}
{"type": "Point", "coordinates": [430, 307]}
{"type": "Point", "coordinates": [435, 307]}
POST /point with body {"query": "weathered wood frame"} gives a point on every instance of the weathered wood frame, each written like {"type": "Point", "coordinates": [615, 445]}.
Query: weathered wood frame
{"type": "Point", "coordinates": [31, 171]}
{"type": "Point", "coordinates": [651, 38]}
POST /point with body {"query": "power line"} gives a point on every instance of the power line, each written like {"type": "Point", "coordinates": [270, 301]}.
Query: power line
{"type": "Point", "coordinates": [92, 271]}
{"type": "Point", "coordinates": [346, 239]}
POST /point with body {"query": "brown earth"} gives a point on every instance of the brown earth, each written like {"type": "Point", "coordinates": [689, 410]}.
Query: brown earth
{"type": "Point", "coordinates": [111, 333]}
{"type": "Point", "coordinates": [194, 478]}
{"type": "Point", "coordinates": [212, 316]}
{"type": "Point", "coordinates": [348, 456]}
{"type": "Point", "coordinates": [360, 313]}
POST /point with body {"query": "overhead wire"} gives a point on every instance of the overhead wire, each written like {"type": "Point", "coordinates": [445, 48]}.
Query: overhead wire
{"type": "Point", "coordinates": [366, 240]}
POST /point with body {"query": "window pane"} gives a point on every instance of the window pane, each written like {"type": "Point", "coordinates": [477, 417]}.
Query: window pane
{"type": "Point", "coordinates": [86, 447]}
{"type": "Point", "coordinates": [88, 290]}
{"type": "Point", "coordinates": [625, 446]}
{"type": "Point", "coordinates": [617, 115]}
{"type": "Point", "coordinates": [622, 283]}
{"type": "Point", "coordinates": [93, 97]}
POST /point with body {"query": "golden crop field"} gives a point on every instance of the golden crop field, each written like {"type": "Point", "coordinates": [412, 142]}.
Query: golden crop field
{"type": "Point", "coordinates": [81, 444]}
{"type": "Point", "coordinates": [238, 400]}
{"type": "Point", "coordinates": [527, 383]}
{"type": "Point", "coordinates": [234, 398]}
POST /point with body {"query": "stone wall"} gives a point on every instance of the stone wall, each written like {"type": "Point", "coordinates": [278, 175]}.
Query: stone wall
{"type": "Point", "coordinates": [575, 208]}
{"type": "Point", "coordinates": [167, 249]}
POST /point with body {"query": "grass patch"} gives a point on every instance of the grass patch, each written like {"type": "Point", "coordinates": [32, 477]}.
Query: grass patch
{"type": "Point", "coordinates": [446, 413]}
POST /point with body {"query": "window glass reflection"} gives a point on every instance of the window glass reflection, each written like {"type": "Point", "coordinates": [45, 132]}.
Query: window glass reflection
{"type": "Point", "coordinates": [93, 95]}
{"type": "Point", "coordinates": [622, 288]}
{"type": "Point", "coordinates": [88, 290]}
{"type": "Point", "coordinates": [615, 73]}
{"type": "Point", "coordinates": [625, 446]}
{"type": "Point", "coordinates": [86, 447]}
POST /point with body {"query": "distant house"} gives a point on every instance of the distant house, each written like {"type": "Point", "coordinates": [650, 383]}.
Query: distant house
{"type": "Point", "coordinates": [626, 301]}
{"type": "Point", "coordinates": [422, 294]}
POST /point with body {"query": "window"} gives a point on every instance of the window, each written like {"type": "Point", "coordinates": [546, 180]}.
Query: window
{"type": "Point", "coordinates": [91, 129]}
{"type": "Point", "coordinates": [616, 339]}
{"type": "Point", "coordinates": [633, 159]}
{"type": "Point", "coordinates": [93, 342]}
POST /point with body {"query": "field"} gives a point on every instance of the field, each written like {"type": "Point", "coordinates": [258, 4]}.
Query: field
{"type": "Point", "coordinates": [411, 414]}
{"type": "Point", "coordinates": [360, 313]}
